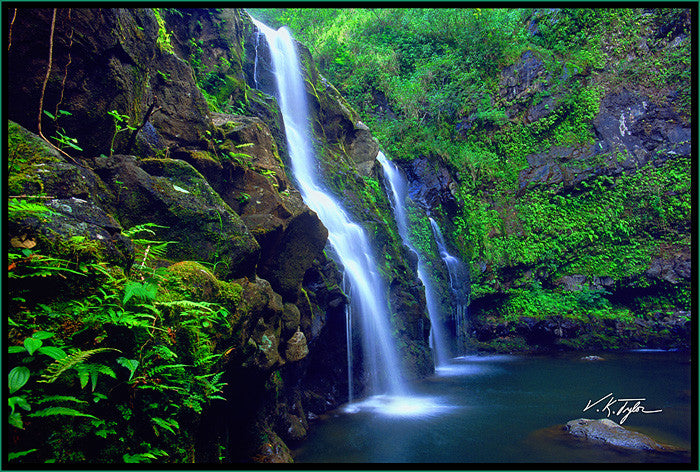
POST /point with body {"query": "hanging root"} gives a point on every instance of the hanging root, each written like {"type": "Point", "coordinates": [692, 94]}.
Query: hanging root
{"type": "Point", "coordinates": [48, 72]}
{"type": "Point", "coordinates": [9, 41]}
{"type": "Point", "coordinates": [65, 75]}
{"type": "Point", "coordinates": [43, 89]}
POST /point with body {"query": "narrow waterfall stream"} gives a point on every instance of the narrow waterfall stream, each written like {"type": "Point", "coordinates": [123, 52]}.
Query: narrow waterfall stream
{"type": "Point", "coordinates": [399, 194]}
{"type": "Point", "coordinates": [458, 285]}
{"type": "Point", "coordinates": [368, 299]}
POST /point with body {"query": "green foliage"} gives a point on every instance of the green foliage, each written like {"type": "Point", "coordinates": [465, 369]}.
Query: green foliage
{"type": "Point", "coordinates": [120, 124]}
{"type": "Point", "coordinates": [17, 378]}
{"type": "Point", "coordinates": [61, 139]}
{"type": "Point", "coordinates": [168, 372]}
{"type": "Point", "coordinates": [164, 36]}
{"type": "Point", "coordinates": [536, 302]}
{"type": "Point", "coordinates": [438, 73]}
{"type": "Point", "coordinates": [76, 360]}
{"type": "Point", "coordinates": [18, 209]}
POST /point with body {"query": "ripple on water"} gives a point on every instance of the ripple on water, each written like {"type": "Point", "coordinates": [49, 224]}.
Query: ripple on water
{"type": "Point", "coordinates": [400, 406]}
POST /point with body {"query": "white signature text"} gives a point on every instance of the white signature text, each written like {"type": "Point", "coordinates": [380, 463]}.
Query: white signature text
{"type": "Point", "coordinates": [608, 405]}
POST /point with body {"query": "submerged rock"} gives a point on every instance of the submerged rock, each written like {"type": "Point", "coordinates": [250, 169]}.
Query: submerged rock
{"type": "Point", "coordinates": [592, 358]}
{"type": "Point", "coordinates": [605, 431]}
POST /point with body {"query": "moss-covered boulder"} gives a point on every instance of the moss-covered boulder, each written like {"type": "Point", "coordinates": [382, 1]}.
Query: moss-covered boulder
{"type": "Point", "coordinates": [172, 193]}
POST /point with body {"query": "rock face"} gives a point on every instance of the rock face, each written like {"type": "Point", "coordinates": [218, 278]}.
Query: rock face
{"type": "Point", "coordinates": [608, 432]}
{"type": "Point", "coordinates": [172, 193]}
{"type": "Point", "coordinates": [657, 331]}
{"type": "Point", "coordinates": [118, 66]}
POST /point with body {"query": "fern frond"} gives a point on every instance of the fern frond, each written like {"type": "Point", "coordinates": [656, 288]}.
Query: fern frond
{"type": "Point", "coordinates": [144, 228]}
{"type": "Point", "coordinates": [54, 370]}
{"type": "Point", "coordinates": [162, 368]}
{"type": "Point", "coordinates": [60, 398]}
{"type": "Point", "coordinates": [22, 208]}
{"type": "Point", "coordinates": [59, 410]}
{"type": "Point", "coordinates": [206, 306]}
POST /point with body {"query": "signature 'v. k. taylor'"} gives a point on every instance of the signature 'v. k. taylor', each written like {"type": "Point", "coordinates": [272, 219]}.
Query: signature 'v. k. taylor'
{"type": "Point", "coordinates": [608, 405]}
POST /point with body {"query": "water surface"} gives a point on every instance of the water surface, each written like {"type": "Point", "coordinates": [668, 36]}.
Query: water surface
{"type": "Point", "coordinates": [486, 409]}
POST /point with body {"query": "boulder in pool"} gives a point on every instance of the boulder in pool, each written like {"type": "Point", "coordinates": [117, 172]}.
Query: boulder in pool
{"type": "Point", "coordinates": [592, 358]}
{"type": "Point", "coordinates": [605, 431]}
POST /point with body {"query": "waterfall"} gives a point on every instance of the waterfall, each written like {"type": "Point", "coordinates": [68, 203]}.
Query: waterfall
{"type": "Point", "coordinates": [458, 285]}
{"type": "Point", "coordinates": [368, 295]}
{"type": "Point", "coordinates": [399, 194]}
{"type": "Point", "coordinates": [255, 64]}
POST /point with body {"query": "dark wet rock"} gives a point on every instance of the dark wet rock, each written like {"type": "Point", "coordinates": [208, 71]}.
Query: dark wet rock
{"type": "Point", "coordinates": [37, 168]}
{"type": "Point", "coordinates": [430, 183]}
{"type": "Point", "coordinates": [522, 78]}
{"type": "Point", "coordinates": [296, 347]}
{"type": "Point", "coordinates": [674, 266]}
{"type": "Point", "coordinates": [263, 330]}
{"type": "Point", "coordinates": [363, 148]}
{"type": "Point", "coordinates": [608, 432]}
{"type": "Point", "coordinates": [577, 282]}
{"type": "Point", "coordinates": [110, 68]}
{"type": "Point", "coordinates": [291, 320]}
{"type": "Point", "coordinates": [77, 230]}
{"type": "Point", "coordinates": [172, 193]}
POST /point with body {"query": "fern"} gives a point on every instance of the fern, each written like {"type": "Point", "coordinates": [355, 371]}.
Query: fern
{"type": "Point", "coordinates": [144, 456]}
{"type": "Point", "coordinates": [22, 209]}
{"type": "Point", "coordinates": [169, 425]}
{"type": "Point", "coordinates": [90, 372]}
{"type": "Point", "coordinates": [144, 228]}
{"type": "Point", "coordinates": [60, 398]}
{"type": "Point", "coordinates": [54, 370]}
{"type": "Point", "coordinates": [146, 291]}
{"type": "Point", "coordinates": [59, 410]}
{"type": "Point", "coordinates": [163, 352]}
{"type": "Point", "coordinates": [188, 304]}
{"type": "Point", "coordinates": [162, 368]}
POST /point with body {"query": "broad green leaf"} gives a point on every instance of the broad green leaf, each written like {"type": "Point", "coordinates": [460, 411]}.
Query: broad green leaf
{"type": "Point", "coordinates": [18, 401]}
{"type": "Point", "coordinates": [130, 364]}
{"type": "Point", "coordinates": [16, 349]}
{"type": "Point", "coordinates": [32, 345]}
{"type": "Point", "coordinates": [15, 455]}
{"type": "Point", "coordinates": [53, 352]}
{"type": "Point", "coordinates": [17, 378]}
{"type": "Point", "coordinates": [42, 335]}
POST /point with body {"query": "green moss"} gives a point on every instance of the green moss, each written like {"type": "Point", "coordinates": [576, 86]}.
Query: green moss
{"type": "Point", "coordinates": [26, 152]}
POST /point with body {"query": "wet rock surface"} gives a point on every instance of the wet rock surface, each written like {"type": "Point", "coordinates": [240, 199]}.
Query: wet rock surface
{"type": "Point", "coordinates": [608, 432]}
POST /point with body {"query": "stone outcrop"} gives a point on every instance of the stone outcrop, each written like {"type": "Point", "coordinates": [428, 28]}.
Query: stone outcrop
{"type": "Point", "coordinates": [173, 194]}
{"type": "Point", "coordinates": [605, 431]}
{"type": "Point", "coordinates": [119, 65]}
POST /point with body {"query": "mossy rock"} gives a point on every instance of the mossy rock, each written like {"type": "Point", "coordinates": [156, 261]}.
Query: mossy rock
{"type": "Point", "coordinates": [192, 281]}
{"type": "Point", "coordinates": [171, 193]}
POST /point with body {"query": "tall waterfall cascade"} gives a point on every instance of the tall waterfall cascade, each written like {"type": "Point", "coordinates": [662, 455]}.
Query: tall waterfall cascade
{"type": "Point", "coordinates": [459, 281]}
{"type": "Point", "coordinates": [367, 292]}
{"type": "Point", "coordinates": [398, 197]}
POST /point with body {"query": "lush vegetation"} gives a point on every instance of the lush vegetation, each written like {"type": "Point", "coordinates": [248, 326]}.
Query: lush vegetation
{"type": "Point", "coordinates": [434, 82]}
{"type": "Point", "coordinates": [106, 367]}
